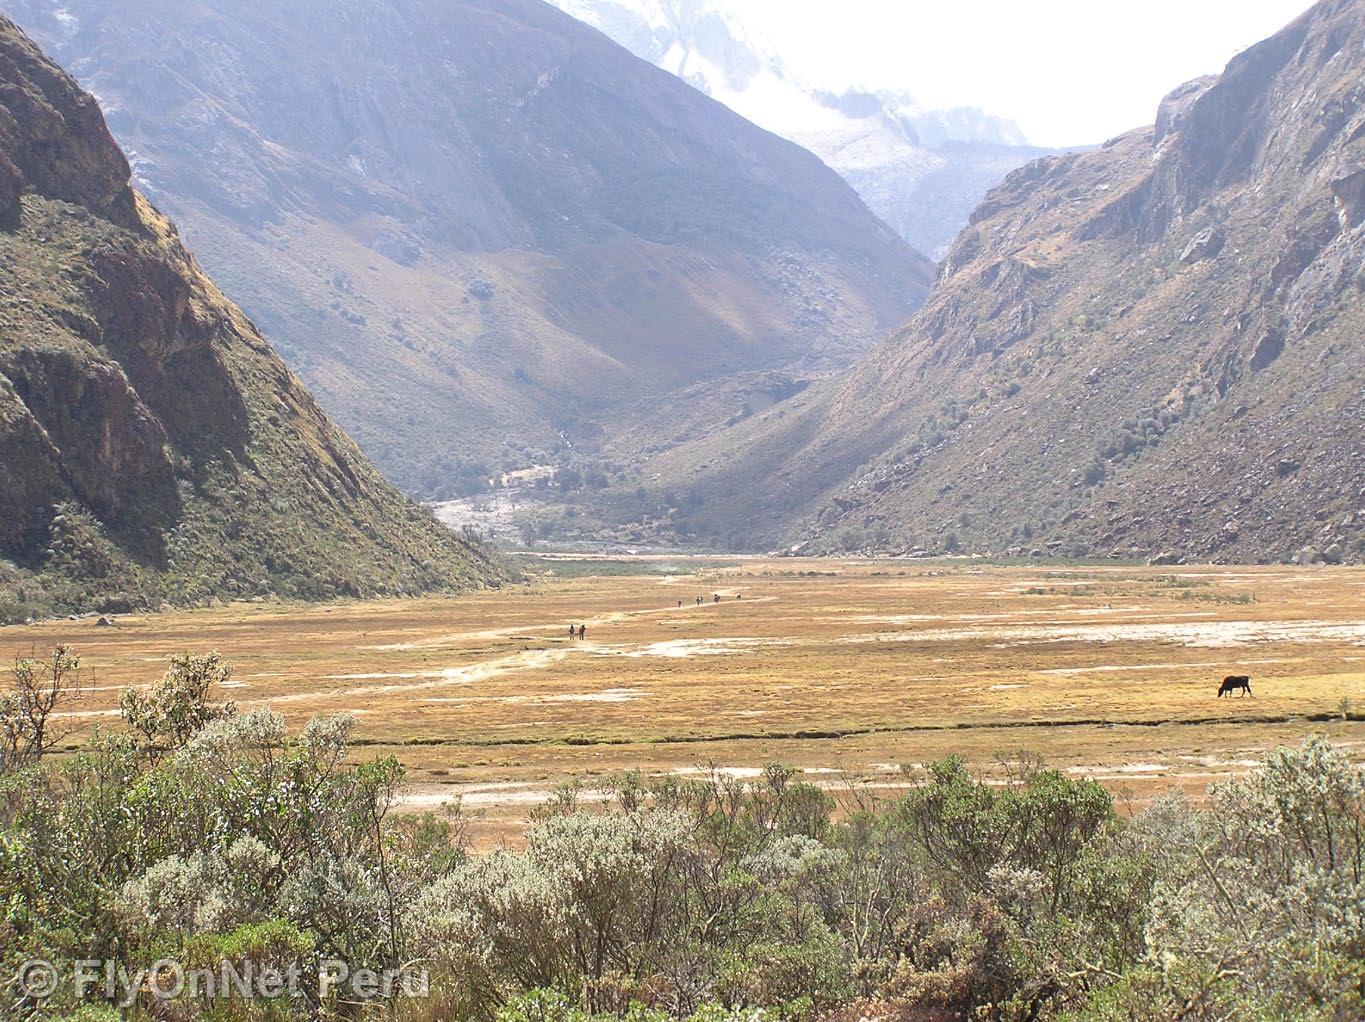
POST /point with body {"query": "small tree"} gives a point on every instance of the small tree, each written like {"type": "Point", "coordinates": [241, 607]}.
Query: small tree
{"type": "Point", "coordinates": [177, 707]}
{"type": "Point", "coordinates": [27, 711]}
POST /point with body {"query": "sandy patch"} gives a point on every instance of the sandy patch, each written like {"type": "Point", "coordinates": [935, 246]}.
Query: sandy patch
{"type": "Point", "coordinates": [1118, 771]}
{"type": "Point", "coordinates": [695, 647]}
{"type": "Point", "coordinates": [1104, 668]}
{"type": "Point", "coordinates": [743, 773]}
{"type": "Point", "coordinates": [529, 661]}
{"type": "Point", "coordinates": [1211, 634]}
{"type": "Point", "coordinates": [611, 695]}
{"type": "Point", "coordinates": [1218, 761]}
{"type": "Point", "coordinates": [486, 795]}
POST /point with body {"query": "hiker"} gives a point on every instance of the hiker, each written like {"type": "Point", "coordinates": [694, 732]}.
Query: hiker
{"type": "Point", "coordinates": [582, 631]}
{"type": "Point", "coordinates": [573, 632]}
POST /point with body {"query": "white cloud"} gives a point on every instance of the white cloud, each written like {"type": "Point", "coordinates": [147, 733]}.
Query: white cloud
{"type": "Point", "coordinates": [1067, 71]}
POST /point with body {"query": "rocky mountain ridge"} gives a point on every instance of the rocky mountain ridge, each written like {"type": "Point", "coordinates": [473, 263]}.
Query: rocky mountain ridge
{"type": "Point", "coordinates": [1154, 350]}
{"type": "Point", "coordinates": [920, 170]}
{"type": "Point", "coordinates": [152, 446]}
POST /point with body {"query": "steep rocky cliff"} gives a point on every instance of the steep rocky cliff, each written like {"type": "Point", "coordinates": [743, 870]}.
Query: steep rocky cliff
{"type": "Point", "coordinates": [152, 446]}
{"type": "Point", "coordinates": [1155, 348]}
{"type": "Point", "coordinates": [478, 228]}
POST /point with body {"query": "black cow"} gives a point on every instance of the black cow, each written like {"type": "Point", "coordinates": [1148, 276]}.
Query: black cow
{"type": "Point", "coordinates": [1232, 683]}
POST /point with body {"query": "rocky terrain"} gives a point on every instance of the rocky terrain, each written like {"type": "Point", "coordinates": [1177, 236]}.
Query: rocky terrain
{"type": "Point", "coordinates": [1153, 350]}
{"type": "Point", "coordinates": [152, 445]}
{"type": "Point", "coordinates": [921, 170]}
{"type": "Point", "coordinates": [478, 229]}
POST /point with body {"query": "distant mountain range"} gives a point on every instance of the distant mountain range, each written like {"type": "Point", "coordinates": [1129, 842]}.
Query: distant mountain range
{"type": "Point", "coordinates": [922, 171]}
{"type": "Point", "coordinates": [1156, 349]}
{"type": "Point", "coordinates": [479, 228]}
{"type": "Point", "coordinates": [152, 445]}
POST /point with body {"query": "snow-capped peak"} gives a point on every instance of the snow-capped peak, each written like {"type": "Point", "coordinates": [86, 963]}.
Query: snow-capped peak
{"type": "Point", "coordinates": [881, 141]}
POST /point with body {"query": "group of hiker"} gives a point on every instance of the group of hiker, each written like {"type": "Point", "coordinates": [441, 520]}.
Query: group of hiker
{"type": "Point", "coordinates": [580, 632]}
{"type": "Point", "coordinates": [715, 598]}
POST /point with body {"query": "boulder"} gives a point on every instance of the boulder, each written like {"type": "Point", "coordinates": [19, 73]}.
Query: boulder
{"type": "Point", "coordinates": [1348, 188]}
{"type": "Point", "coordinates": [1204, 245]}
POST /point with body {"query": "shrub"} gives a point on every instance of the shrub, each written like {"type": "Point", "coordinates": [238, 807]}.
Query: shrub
{"type": "Point", "coordinates": [177, 707]}
{"type": "Point", "coordinates": [714, 899]}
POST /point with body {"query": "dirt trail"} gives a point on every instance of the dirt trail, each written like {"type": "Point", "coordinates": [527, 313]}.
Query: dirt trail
{"type": "Point", "coordinates": [556, 628]}
{"type": "Point", "coordinates": [530, 660]}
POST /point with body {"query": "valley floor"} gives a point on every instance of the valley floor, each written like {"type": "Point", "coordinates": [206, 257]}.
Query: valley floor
{"type": "Point", "coordinates": [844, 668]}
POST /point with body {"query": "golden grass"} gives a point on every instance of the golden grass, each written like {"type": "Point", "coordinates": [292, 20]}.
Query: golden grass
{"type": "Point", "coordinates": [842, 668]}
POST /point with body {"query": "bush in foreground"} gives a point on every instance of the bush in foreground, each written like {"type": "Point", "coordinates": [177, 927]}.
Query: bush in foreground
{"type": "Point", "coordinates": [212, 836]}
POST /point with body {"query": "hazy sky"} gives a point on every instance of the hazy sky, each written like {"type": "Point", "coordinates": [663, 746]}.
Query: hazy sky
{"type": "Point", "coordinates": [1067, 71]}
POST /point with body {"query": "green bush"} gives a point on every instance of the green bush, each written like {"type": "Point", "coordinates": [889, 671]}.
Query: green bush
{"type": "Point", "coordinates": [712, 899]}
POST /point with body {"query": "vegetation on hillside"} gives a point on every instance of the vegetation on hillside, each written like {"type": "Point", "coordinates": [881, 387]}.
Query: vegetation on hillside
{"type": "Point", "coordinates": [210, 835]}
{"type": "Point", "coordinates": [152, 446]}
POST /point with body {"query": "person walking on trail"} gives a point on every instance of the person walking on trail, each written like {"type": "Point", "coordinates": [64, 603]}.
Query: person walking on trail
{"type": "Point", "coordinates": [573, 632]}
{"type": "Point", "coordinates": [582, 631]}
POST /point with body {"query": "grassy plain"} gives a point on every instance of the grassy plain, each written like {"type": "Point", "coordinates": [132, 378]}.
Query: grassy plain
{"type": "Point", "coordinates": [843, 668]}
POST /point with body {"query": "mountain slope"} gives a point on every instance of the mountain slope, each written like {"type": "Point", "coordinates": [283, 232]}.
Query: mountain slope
{"type": "Point", "coordinates": [473, 227]}
{"type": "Point", "coordinates": [152, 446]}
{"type": "Point", "coordinates": [922, 171]}
{"type": "Point", "coordinates": [1158, 346]}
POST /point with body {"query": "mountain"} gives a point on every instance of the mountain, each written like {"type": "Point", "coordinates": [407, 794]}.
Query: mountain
{"type": "Point", "coordinates": [476, 228]}
{"type": "Point", "coordinates": [152, 446]}
{"type": "Point", "coordinates": [1157, 347]}
{"type": "Point", "coordinates": [922, 171]}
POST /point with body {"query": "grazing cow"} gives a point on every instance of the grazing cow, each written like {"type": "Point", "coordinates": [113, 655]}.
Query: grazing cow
{"type": "Point", "coordinates": [1232, 683]}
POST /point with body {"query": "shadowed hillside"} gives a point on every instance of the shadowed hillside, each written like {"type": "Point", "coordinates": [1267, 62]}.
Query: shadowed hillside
{"type": "Point", "coordinates": [152, 446]}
